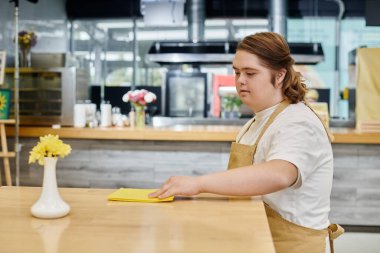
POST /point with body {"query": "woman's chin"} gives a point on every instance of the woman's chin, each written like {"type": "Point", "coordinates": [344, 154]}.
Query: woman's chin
{"type": "Point", "coordinates": [246, 99]}
{"type": "Point", "coordinates": [247, 103]}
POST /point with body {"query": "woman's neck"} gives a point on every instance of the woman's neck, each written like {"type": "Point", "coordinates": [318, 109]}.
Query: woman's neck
{"type": "Point", "coordinates": [272, 102]}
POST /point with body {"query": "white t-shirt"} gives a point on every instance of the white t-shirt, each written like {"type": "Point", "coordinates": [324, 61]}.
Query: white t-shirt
{"type": "Point", "coordinates": [297, 136]}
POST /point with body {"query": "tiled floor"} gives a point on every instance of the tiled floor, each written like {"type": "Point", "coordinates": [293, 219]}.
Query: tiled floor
{"type": "Point", "coordinates": [354, 242]}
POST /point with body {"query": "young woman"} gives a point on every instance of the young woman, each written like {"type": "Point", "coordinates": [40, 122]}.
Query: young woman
{"type": "Point", "coordinates": [283, 153]}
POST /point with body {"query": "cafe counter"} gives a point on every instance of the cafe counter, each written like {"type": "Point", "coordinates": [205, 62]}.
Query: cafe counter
{"type": "Point", "coordinates": [146, 158]}
{"type": "Point", "coordinates": [207, 133]}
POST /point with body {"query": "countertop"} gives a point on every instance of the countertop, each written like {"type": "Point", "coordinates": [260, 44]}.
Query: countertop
{"type": "Point", "coordinates": [213, 133]}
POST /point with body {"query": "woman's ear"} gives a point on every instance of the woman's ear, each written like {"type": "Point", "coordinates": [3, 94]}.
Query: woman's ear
{"type": "Point", "coordinates": [280, 76]}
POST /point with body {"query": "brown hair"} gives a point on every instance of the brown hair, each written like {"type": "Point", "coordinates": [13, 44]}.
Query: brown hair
{"type": "Point", "coordinates": [274, 53]}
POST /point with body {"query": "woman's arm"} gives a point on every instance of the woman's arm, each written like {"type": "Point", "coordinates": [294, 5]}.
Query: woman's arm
{"type": "Point", "coordinates": [251, 180]}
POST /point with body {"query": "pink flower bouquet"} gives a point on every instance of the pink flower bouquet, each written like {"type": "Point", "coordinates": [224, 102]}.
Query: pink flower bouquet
{"type": "Point", "coordinates": [139, 98]}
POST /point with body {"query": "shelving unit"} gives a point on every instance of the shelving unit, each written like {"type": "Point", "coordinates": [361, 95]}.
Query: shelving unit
{"type": "Point", "coordinates": [40, 93]}
{"type": "Point", "coordinates": [47, 96]}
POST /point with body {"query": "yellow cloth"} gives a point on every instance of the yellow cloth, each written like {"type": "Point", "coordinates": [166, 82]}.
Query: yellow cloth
{"type": "Point", "coordinates": [368, 87]}
{"type": "Point", "coordinates": [136, 195]}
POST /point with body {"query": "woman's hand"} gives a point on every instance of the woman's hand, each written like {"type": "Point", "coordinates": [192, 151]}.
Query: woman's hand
{"type": "Point", "coordinates": [178, 185]}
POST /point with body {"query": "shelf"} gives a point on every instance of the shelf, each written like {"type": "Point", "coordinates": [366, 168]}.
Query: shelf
{"type": "Point", "coordinates": [40, 101]}
{"type": "Point", "coordinates": [40, 114]}
{"type": "Point", "coordinates": [30, 70]}
{"type": "Point", "coordinates": [7, 121]}
{"type": "Point", "coordinates": [38, 89]}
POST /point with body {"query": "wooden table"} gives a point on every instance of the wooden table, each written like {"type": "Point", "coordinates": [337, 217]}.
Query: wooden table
{"type": "Point", "coordinates": [206, 223]}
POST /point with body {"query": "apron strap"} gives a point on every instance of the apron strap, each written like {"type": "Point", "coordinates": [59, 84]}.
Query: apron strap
{"type": "Point", "coordinates": [329, 134]}
{"type": "Point", "coordinates": [334, 230]}
{"type": "Point", "coordinates": [278, 110]}
{"type": "Point", "coordinates": [247, 127]}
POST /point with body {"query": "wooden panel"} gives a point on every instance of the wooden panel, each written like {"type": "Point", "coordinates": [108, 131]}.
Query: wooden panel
{"type": "Point", "coordinates": [116, 163]}
{"type": "Point", "coordinates": [356, 215]}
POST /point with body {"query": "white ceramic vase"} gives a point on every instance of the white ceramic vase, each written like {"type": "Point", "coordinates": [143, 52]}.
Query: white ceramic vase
{"type": "Point", "coordinates": [50, 204]}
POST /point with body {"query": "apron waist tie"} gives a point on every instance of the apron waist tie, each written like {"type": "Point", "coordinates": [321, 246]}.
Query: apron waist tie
{"type": "Point", "coordinates": [335, 230]}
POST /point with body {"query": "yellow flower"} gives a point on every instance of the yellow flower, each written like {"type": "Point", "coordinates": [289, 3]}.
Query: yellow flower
{"type": "Point", "coordinates": [48, 146]}
{"type": "Point", "coordinates": [3, 102]}
{"type": "Point", "coordinates": [27, 40]}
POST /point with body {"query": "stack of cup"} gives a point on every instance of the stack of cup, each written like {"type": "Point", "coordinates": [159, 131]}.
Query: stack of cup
{"type": "Point", "coordinates": [105, 115]}
{"type": "Point", "coordinates": [80, 115]}
{"type": "Point", "coordinates": [91, 120]}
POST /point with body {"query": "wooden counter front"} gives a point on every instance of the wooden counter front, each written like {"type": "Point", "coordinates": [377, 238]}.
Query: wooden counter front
{"type": "Point", "coordinates": [179, 133]}
{"type": "Point", "coordinates": [206, 223]}
{"type": "Point", "coordinates": [175, 133]}
{"type": "Point", "coordinates": [354, 136]}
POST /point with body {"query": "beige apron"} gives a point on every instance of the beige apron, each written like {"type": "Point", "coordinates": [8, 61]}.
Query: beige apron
{"type": "Point", "coordinates": [287, 236]}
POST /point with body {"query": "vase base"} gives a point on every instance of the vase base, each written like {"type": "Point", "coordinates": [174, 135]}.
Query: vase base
{"type": "Point", "coordinates": [50, 212]}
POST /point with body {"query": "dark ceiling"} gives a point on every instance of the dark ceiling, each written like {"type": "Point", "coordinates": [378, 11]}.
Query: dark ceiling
{"type": "Point", "coordinates": [83, 9]}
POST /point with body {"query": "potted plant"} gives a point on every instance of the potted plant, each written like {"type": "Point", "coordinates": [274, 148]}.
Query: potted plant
{"type": "Point", "coordinates": [231, 107]}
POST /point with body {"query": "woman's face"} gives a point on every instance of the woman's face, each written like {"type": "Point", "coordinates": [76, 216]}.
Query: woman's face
{"type": "Point", "coordinates": [254, 82]}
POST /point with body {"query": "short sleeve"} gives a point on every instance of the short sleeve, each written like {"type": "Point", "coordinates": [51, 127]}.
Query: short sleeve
{"type": "Point", "coordinates": [297, 143]}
